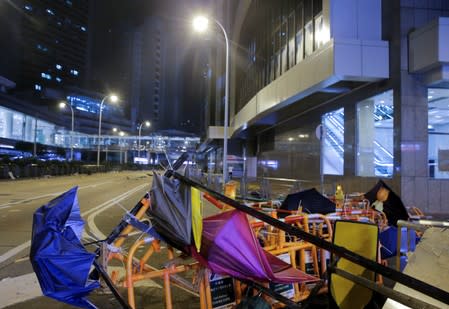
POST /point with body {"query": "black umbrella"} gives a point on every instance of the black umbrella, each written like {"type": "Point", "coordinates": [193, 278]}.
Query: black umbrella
{"type": "Point", "coordinates": [171, 211]}
{"type": "Point", "coordinates": [310, 200]}
{"type": "Point", "coordinates": [393, 207]}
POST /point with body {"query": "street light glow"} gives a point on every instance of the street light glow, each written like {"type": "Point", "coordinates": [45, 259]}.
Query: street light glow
{"type": "Point", "coordinates": [200, 23]}
{"type": "Point", "coordinates": [62, 105]}
{"type": "Point", "coordinates": [147, 123]}
{"type": "Point", "coordinates": [113, 98]}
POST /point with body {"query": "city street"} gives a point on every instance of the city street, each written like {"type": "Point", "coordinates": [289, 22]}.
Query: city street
{"type": "Point", "coordinates": [103, 199]}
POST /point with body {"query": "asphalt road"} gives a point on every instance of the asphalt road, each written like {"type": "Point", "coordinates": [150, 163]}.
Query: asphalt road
{"type": "Point", "coordinates": [103, 199]}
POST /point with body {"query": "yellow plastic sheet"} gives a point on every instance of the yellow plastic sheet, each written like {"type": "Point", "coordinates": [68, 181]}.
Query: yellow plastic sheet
{"type": "Point", "coordinates": [197, 217]}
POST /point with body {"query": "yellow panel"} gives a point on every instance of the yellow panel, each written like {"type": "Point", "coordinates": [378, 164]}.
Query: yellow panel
{"type": "Point", "coordinates": [362, 239]}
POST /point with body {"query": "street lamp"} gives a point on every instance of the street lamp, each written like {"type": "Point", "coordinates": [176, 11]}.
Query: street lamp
{"type": "Point", "coordinates": [62, 105]}
{"type": "Point", "coordinates": [120, 143]}
{"type": "Point", "coordinates": [201, 24]}
{"type": "Point", "coordinates": [113, 99]}
{"type": "Point", "coordinates": [147, 124]}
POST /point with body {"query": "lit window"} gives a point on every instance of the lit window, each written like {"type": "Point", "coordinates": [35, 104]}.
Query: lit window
{"type": "Point", "coordinates": [42, 47]}
{"type": "Point", "coordinates": [58, 79]}
{"type": "Point", "coordinates": [83, 28]}
{"type": "Point", "coordinates": [28, 7]}
{"type": "Point", "coordinates": [74, 72]}
{"type": "Point", "coordinates": [438, 134]}
{"type": "Point", "coordinates": [69, 2]}
{"type": "Point", "coordinates": [50, 12]}
{"type": "Point", "coordinates": [59, 67]}
{"type": "Point", "coordinates": [37, 87]}
{"type": "Point", "coordinates": [46, 76]}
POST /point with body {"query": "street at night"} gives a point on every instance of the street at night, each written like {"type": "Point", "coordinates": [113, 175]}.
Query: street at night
{"type": "Point", "coordinates": [302, 150]}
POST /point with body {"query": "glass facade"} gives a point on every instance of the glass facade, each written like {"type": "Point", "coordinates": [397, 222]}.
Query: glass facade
{"type": "Point", "coordinates": [438, 132]}
{"type": "Point", "coordinates": [21, 127]}
{"type": "Point", "coordinates": [294, 31]}
{"type": "Point", "coordinates": [374, 135]}
{"type": "Point", "coordinates": [332, 142]}
{"type": "Point", "coordinates": [18, 126]}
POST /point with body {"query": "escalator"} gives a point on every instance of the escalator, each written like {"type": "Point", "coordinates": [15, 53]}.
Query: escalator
{"type": "Point", "coordinates": [333, 124]}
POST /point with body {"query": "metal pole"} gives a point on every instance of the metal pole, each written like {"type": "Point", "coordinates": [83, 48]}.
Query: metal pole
{"type": "Point", "coordinates": [99, 131]}
{"type": "Point", "coordinates": [35, 137]}
{"type": "Point", "coordinates": [138, 141]}
{"type": "Point", "coordinates": [225, 131]}
{"type": "Point", "coordinates": [71, 133]}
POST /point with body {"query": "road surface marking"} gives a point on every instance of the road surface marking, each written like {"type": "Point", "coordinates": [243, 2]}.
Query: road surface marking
{"type": "Point", "coordinates": [14, 251]}
{"type": "Point", "coordinates": [7, 205]}
{"type": "Point", "coordinates": [19, 289]}
{"type": "Point", "coordinates": [93, 229]}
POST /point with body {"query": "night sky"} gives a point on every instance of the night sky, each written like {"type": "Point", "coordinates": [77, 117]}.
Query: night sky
{"type": "Point", "coordinates": [115, 20]}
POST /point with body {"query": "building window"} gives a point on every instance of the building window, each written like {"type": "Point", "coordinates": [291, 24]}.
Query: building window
{"type": "Point", "coordinates": [374, 134]}
{"type": "Point", "coordinates": [42, 47]}
{"type": "Point", "coordinates": [308, 38]}
{"type": "Point", "coordinates": [438, 132]}
{"type": "Point", "coordinates": [28, 7]}
{"type": "Point", "coordinates": [58, 79]}
{"type": "Point", "coordinates": [59, 67]}
{"type": "Point", "coordinates": [74, 72]}
{"type": "Point", "coordinates": [37, 87]}
{"type": "Point", "coordinates": [332, 142]}
{"type": "Point", "coordinates": [321, 34]}
{"type": "Point", "coordinates": [50, 12]}
{"type": "Point", "coordinates": [46, 76]}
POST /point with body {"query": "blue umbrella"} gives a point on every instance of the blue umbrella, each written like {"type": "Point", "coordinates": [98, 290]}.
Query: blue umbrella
{"type": "Point", "coordinates": [59, 259]}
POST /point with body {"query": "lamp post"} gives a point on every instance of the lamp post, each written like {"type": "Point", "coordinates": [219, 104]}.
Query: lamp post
{"type": "Point", "coordinates": [62, 105]}
{"type": "Point", "coordinates": [200, 24]}
{"type": "Point", "coordinates": [113, 99]}
{"type": "Point", "coordinates": [120, 142]}
{"type": "Point", "coordinates": [147, 124]}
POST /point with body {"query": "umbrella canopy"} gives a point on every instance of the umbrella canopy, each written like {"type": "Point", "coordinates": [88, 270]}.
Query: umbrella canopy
{"type": "Point", "coordinates": [310, 200]}
{"type": "Point", "coordinates": [171, 211]}
{"type": "Point", "coordinates": [230, 247]}
{"type": "Point", "coordinates": [393, 207]}
{"type": "Point", "coordinates": [60, 261]}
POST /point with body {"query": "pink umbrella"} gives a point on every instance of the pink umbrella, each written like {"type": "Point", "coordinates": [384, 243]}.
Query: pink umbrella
{"type": "Point", "coordinates": [230, 247]}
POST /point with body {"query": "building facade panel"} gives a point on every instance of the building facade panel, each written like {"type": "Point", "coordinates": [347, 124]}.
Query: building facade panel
{"type": "Point", "coordinates": [363, 64]}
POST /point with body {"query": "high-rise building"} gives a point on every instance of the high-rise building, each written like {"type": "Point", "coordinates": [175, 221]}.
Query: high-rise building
{"type": "Point", "coordinates": [158, 59]}
{"type": "Point", "coordinates": [46, 45]}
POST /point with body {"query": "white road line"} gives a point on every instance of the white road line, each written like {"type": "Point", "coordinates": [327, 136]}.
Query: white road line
{"type": "Point", "coordinates": [105, 205]}
{"type": "Point", "coordinates": [14, 251]}
{"type": "Point", "coordinates": [19, 289]}
{"type": "Point", "coordinates": [93, 229]}
{"type": "Point", "coordinates": [7, 205]}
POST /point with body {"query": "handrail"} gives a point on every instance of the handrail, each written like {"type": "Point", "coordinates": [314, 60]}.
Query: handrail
{"type": "Point", "coordinates": [395, 275]}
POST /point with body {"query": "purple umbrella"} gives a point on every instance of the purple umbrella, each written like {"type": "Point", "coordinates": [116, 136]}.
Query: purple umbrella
{"type": "Point", "coordinates": [230, 247]}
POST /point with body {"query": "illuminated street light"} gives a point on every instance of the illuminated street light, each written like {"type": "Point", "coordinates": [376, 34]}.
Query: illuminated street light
{"type": "Point", "coordinates": [62, 105]}
{"type": "Point", "coordinates": [113, 99]}
{"type": "Point", "coordinates": [147, 124]}
{"type": "Point", "coordinates": [201, 24]}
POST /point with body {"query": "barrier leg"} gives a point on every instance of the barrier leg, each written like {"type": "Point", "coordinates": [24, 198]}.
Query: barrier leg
{"type": "Point", "coordinates": [168, 301]}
